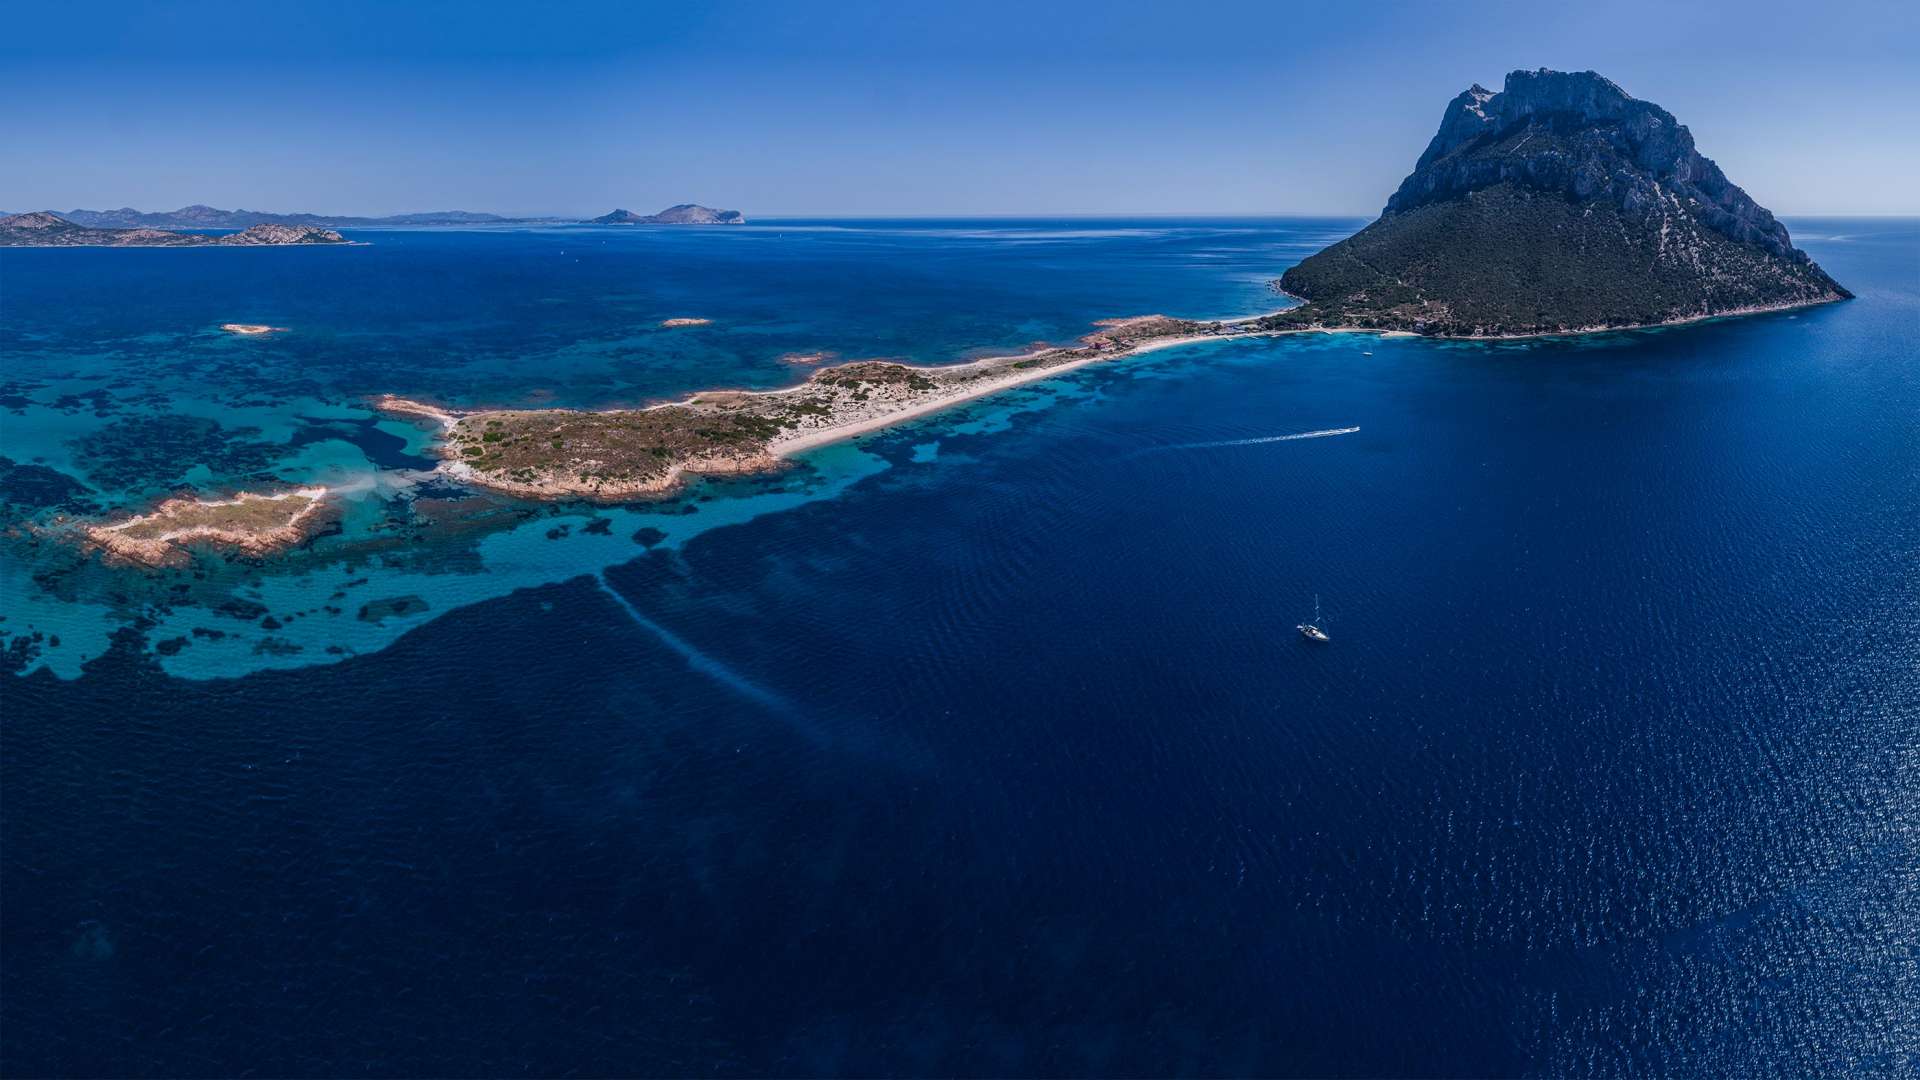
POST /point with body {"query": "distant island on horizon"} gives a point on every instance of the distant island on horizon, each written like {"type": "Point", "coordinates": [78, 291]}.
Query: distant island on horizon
{"type": "Point", "coordinates": [41, 229]}
{"type": "Point", "coordinates": [200, 216]}
{"type": "Point", "coordinates": [683, 214]}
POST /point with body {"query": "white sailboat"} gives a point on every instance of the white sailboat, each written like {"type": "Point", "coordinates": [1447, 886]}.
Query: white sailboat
{"type": "Point", "coordinates": [1311, 631]}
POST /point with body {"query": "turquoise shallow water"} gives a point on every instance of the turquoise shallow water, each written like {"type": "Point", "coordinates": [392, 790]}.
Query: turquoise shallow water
{"type": "Point", "coordinates": [983, 745]}
{"type": "Point", "coordinates": [122, 389]}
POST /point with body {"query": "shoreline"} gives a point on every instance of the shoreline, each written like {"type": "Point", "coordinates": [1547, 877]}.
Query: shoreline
{"type": "Point", "coordinates": [1689, 320]}
{"type": "Point", "coordinates": [825, 436]}
{"type": "Point", "coordinates": [795, 444]}
{"type": "Point", "coordinates": [830, 406]}
{"type": "Point", "coordinates": [741, 432]}
{"type": "Point", "coordinates": [711, 432]}
{"type": "Point", "coordinates": [1585, 331]}
{"type": "Point", "coordinates": [158, 537]}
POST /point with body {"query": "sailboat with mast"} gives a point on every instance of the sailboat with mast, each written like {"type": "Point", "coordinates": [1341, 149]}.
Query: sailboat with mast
{"type": "Point", "coordinates": [1311, 631]}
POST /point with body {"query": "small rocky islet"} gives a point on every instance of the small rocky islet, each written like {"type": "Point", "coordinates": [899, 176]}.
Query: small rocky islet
{"type": "Point", "coordinates": [250, 523]}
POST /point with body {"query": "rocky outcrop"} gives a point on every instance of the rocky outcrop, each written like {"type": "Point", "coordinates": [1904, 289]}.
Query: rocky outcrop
{"type": "Point", "coordinates": [1583, 136]}
{"type": "Point", "coordinates": [1559, 203]}
{"type": "Point", "coordinates": [282, 234]}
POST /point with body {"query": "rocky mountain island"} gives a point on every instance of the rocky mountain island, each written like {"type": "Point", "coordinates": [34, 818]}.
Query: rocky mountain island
{"type": "Point", "coordinates": [684, 214]}
{"type": "Point", "coordinates": [51, 230]}
{"type": "Point", "coordinates": [1559, 204]}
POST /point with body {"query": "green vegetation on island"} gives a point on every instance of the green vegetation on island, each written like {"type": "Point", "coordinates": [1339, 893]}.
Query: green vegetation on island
{"type": "Point", "coordinates": [617, 454]}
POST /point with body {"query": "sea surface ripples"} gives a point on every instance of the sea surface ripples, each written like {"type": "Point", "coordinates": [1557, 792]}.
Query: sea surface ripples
{"type": "Point", "coordinates": [986, 745]}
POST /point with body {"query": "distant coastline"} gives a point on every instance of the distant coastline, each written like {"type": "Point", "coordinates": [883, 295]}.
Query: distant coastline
{"type": "Point", "coordinates": [43, 230]}
{"type": "Point", "coordinates": [202, 217]}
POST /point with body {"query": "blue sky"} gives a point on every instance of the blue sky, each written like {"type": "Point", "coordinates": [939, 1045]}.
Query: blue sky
{"type": "Point", "coordinates": [902, 107]}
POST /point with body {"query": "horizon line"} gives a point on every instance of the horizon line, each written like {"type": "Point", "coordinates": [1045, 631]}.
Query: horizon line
{"type": "Point", "coordinates": [757, 217]}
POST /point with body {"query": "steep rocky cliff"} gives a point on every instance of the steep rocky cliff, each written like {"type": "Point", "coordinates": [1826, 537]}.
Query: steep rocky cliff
{"type": "Point", "coordinates": [1558, 204]}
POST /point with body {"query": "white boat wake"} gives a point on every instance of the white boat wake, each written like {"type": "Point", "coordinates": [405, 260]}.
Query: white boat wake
{"type": "Point", "coordinates": [696, 659]}
{"type": "Point", "coordinates": [1263, 439]}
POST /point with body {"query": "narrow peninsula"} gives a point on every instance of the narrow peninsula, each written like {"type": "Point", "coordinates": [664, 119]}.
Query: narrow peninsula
{"type": "Point", "coordinates": [1558, 205]}
{"type": "Point", "coordinates": [620, 454]}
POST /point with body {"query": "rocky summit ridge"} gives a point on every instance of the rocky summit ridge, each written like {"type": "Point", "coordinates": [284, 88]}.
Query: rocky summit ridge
{"type": "Point", "coordinates": [1560, 203]}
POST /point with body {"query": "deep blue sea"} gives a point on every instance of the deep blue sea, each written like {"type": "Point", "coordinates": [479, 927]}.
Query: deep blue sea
{"type": "Point", "coordinates": [983, 745]}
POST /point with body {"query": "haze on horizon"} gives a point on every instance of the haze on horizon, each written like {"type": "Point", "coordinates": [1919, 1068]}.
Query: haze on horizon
{"type": "Point", "coordinates": [877, 109]}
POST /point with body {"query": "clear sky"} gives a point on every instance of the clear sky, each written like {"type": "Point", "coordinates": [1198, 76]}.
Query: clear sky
{"type": "Point", "coordinates": [903, 106]}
